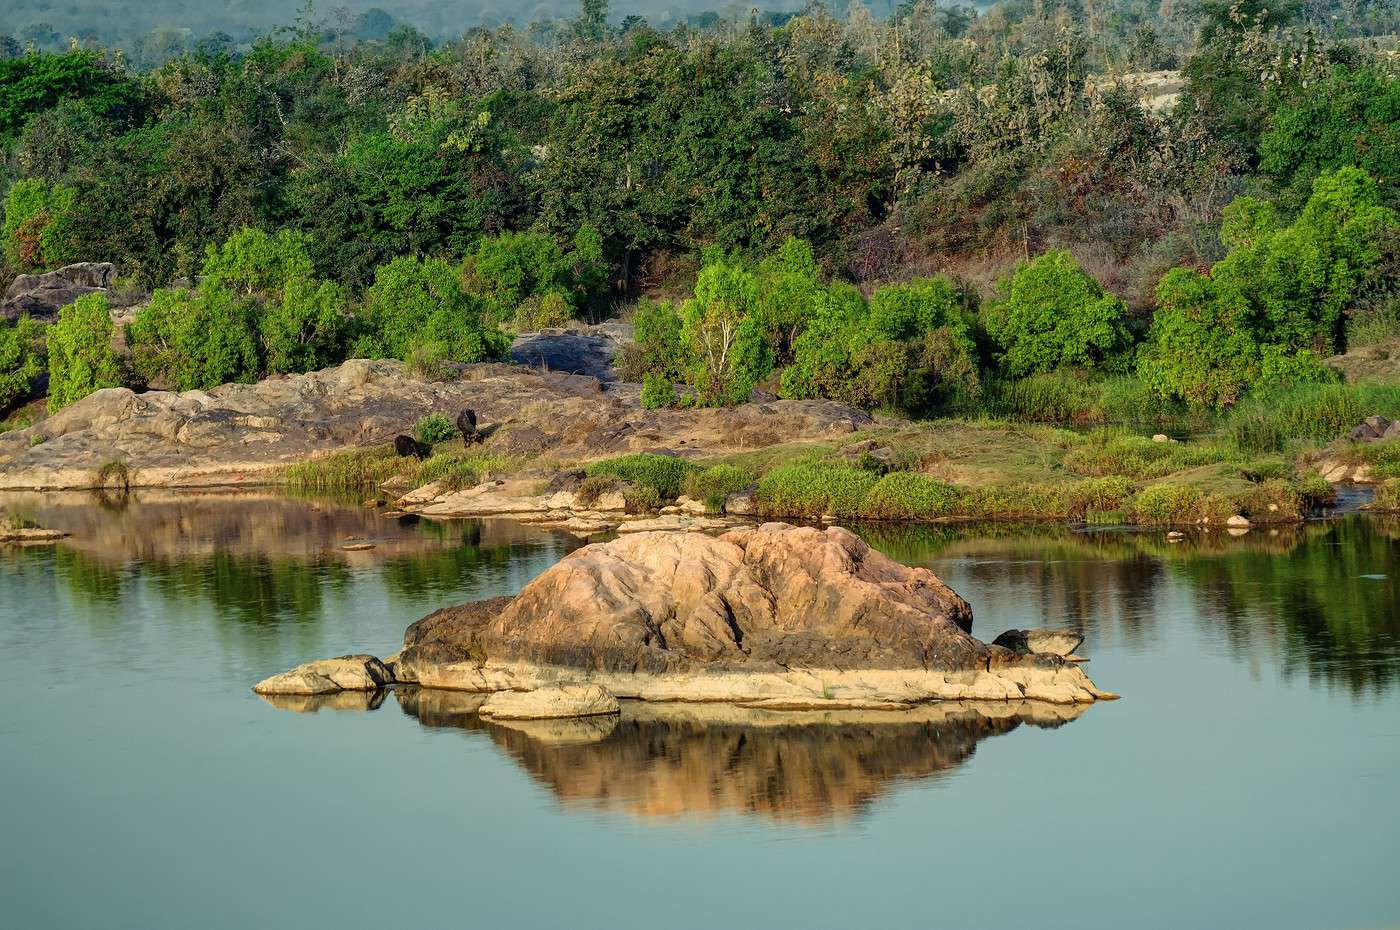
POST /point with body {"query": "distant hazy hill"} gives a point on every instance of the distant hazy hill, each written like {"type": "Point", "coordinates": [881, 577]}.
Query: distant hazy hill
{"type": "Point", "coordinates": [49, 23]}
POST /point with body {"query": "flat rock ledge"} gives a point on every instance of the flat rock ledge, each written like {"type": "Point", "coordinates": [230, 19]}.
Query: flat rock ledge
{"type": "Point", "coordinates": [774, 616]}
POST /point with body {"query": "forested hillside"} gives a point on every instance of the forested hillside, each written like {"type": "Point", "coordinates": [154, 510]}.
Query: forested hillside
{"type": "Point", "coordinates": [939, 211]}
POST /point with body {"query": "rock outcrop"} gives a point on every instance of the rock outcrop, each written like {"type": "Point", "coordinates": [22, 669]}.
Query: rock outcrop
{"type": "Point", "coordinates": [41, 296]}
{"type": "Point", "coordinates": [781, 616]}
{"type": "Point", "coordinates": [328, 676]}
{"type": "Point", "coordinates": [243, 433]}
{"type": "Point", "coordinates": [549, 703]}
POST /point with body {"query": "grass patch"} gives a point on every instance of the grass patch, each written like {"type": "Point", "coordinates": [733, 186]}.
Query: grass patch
{"type": "Point", "coordinates": [662, 473]}
{"type": "Point", "coordinates": [372, 466]}
{"type": "Point", "coordinates": [905, 495]}
{"type": "Point", "coordinates": [1317, 412]}
{"type": "Point", "coordinates": [1387, 495]}
{"type": "Point", "coordinates": [1113, 452]}
{"type": "Point", "coordinates": [813, 490]}
{"type": "Point", "coordinates": [716, 483]}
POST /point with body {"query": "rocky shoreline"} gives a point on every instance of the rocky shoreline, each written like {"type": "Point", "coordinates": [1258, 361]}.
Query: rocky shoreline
{"type": "Point", "coordinates": [775, 617]}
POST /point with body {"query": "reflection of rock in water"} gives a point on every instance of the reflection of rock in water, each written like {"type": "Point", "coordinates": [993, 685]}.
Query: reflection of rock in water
{"type": "Point", "coordinates": [698, 760]}
{"type": "Point", "coordinates": [312, 703]}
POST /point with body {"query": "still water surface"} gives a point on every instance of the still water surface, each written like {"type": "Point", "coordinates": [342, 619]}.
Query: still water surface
{"type": "Point", "coordinates": [1250, 777]}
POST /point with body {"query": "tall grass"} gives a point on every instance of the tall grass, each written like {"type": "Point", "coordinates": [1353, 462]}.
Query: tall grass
{"type": "Point", "coordinates": [372, 466]}
{"type": "Point", "coordinates": [1115, 452]}
{"type": "Point", "coordinates": [1268, 422]}
{"type": "Point", "coordinates": [663, 473]}
{"type": "Point", "coordinates": [1075, 398]}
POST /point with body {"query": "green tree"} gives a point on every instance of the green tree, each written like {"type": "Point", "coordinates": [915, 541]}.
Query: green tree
{"type": "Point", "coordinates": [1053, 315]}
{"type": "Point", "coordinates": [81, 358]}
{"type": "Point", "coordinates": [724, 341]}
{"type": "Point", "coordinates": [1350, 119]}
{"type": "Point", "coordinates": [196, 339]}
{"type": "Point", "coordinates": [419, 303]}
{"type": "Point", "coordinates": [252, 263]}
{"type": "Point", "coordinates": [31, 84]}
{"type": "Point", "coordinates": [37, 231]}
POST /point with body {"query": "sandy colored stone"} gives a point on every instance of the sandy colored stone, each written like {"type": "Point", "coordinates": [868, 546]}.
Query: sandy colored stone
{"type": "Point", "coordinates": [582, 700]}
{"type": "Point", "coordinates": [328, 676]}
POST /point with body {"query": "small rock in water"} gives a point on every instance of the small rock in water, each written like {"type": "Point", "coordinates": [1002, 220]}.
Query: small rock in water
{"type": "Point", "coordinates": [1175, 536]}
{"type": "Point", "coordinates": [1238, 520]}
{"type": "Point", "coordinates": [327, 676]}
{"type": "Point", "coordinates": [1161, 437]}
{"type": "Point", "coordinates": [357, 547]}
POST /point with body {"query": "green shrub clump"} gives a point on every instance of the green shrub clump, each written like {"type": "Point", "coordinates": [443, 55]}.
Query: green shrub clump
{"type": "Point", "coordinates": [663, 473]}
{"type": "Point", "coordinates": [1054, 315]}
{"type": "Point", "coordinates": [415, 303]}
{"type": "Point", "coordinates": [23, 358]}
{"type": "Point", "coordinates": [433, 429]}
{"type": "Point", "coordinates": [814, 490]}
{"type": "Point", "coordinates": [81, 359]}
{"type": "Point", "coordinates": [716, 483]}
{"type": "Point", "coordinates": [905, 495]}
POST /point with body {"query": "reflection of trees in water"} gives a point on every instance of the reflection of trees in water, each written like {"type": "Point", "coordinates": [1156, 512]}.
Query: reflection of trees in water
{"type": "Point", "coordinates": [1295, 593]}
{"type": "Point", "coordinates": [668, 760]}
{"type": "Point", "coordinates": [1312, 604]}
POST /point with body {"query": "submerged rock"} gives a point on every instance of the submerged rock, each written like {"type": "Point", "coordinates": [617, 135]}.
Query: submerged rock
{"type": "Point", "coordinates": [795, 616]}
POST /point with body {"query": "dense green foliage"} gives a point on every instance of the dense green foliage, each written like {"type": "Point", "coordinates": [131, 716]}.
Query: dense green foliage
{"type": "Point", "coordinates": [419, 305]}
{"type": "Point", "coordinates": [433, 429]}
{"type": "Point", "coordinates": [80, 353]}
{"type": "Point", "coordinates": [35, 232]}
{"type": "Point", "coordinates": [1275, 303]}
{"type": "Point", "coordinates": [23, 359]}
{"type": "Point", "coordinates": [1055, 316]}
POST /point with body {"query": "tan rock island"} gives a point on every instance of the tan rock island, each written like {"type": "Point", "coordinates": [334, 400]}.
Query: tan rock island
{"type": "Point", "coordinates": [776, 617]}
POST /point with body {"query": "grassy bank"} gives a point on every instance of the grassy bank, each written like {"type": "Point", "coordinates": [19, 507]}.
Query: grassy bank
{"type": "Point", "coordinates": [455, 468]}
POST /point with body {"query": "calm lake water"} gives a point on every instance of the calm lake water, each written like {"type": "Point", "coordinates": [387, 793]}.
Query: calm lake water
{"type": "Point", "coordinates": [1250, 777]}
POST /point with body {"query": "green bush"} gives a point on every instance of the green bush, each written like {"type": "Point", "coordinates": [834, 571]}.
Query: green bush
{"type": "Point", "coordinates": [904, 495]}
{"type": "Point", "coordinates": [813, 490]}
{"type": "Point", "coordinates": [663, 473]}
{"type": "Point", "coordinates": [657, 391]}
{"type": "Point", "coordinates": [657, 349]}
{"type": "Point", "coordinates": [527, 277]}
{"type": "Point", "coordinates": [81, 359]}
{"type": "Point", "coordinates": [416, 302]}
{"type": "Point", "coordinates": [716, 483]}
{"type": "Point", "coordinates": [433, 429]}
{"type": "Point", "coordinates": [251, 263]}
{"type": "Point", "coordinates": [306, 327]}
{"type": "Point", "coordinates": [23, 358]}
{"type": "Point", "coordinates": [195, 339]}
{"type": "Point", "coordinates": [1053, 315]}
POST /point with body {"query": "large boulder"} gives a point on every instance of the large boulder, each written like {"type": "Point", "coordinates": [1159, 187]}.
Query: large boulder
{"type": "Point", "coordinates": [41, 296]}
{"type": "Point", "coordinates": [794, 616]}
